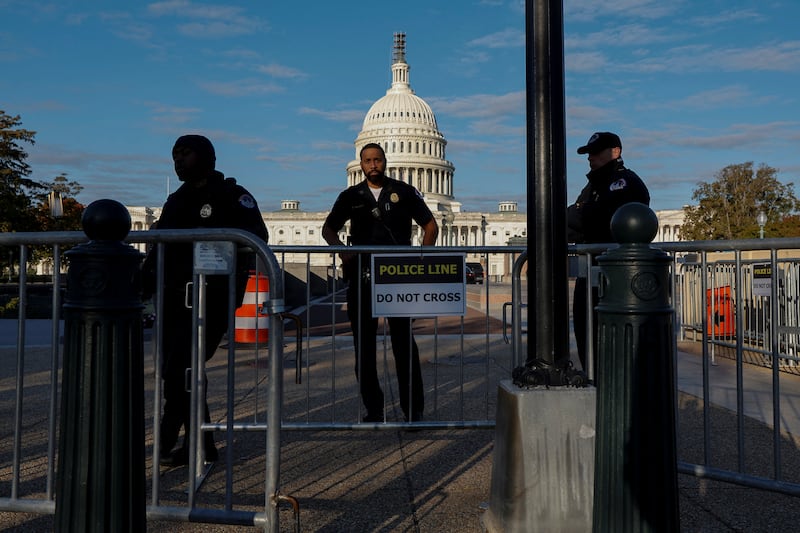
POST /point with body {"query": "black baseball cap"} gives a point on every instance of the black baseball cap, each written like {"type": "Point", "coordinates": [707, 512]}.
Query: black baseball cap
{"type": "Point", "coordinates": [200, 145]}
{"type": "Point", "coordinates": [599, 141]}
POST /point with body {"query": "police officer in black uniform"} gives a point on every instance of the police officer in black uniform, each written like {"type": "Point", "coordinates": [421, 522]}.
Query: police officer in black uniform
{"type": "Point", "coordinates": [206, 199]}
{"type": "Point", "coordinates": [380, 210]}
{"type": "Point", "coordinates": [610, 186]}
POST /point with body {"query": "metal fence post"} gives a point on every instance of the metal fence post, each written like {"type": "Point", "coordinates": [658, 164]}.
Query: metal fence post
{"type": "Point", "coordinates": [635, 488]}
{"type": "Point", "coordinates": [100, 482]}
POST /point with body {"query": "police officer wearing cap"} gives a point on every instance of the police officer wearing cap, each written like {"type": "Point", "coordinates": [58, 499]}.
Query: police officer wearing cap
{"type": "Point", "coordinates": [380, 210]}
{"type": "Point", "coordinates": [206, 199]}
{"type": "Point", "coordinates": [610, 186]}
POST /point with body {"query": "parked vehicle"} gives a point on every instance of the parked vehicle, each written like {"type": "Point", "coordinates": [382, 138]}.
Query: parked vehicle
{"type": "Point", "coordinates": [470, 275]}
{"type": "Point", "coordinates": [477, 272]}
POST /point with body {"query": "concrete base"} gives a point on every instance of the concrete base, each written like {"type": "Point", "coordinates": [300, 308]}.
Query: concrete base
{"type": "Point", "coordinates": [543, 466]}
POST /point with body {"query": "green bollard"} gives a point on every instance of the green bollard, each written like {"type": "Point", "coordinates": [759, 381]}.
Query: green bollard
{"type": "Point", "coordinates": [635, 487]}
{"type": "Point", "coordinates": [100, 480]}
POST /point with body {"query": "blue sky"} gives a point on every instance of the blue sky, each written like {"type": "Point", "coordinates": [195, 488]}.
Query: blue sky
{"type": "Point", "coordinates": [281, 88]}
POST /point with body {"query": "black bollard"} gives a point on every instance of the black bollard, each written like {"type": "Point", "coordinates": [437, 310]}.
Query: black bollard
{"type": "Point", "coordinates": [635, 487]}
{"type": "Point", "coordinates": [100, 481]}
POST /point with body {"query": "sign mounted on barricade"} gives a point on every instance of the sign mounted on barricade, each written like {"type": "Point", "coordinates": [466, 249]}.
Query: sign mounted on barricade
{"type": "Point", "coordinates": [762, 279]}
{"type": "Point", "coordinates": [214, 257]}
{"type": "Point", "coordinates": [410, 285]}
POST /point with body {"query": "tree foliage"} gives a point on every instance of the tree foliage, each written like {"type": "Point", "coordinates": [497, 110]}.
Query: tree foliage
{"type": "Point", "coordinates": [17, 191]}
{"type": "Point", "coordinates": [727, 208]}
{"type": "Point", "coordinates": [24, 203]}
{"type": "Point", "coordinates": [72, 213]}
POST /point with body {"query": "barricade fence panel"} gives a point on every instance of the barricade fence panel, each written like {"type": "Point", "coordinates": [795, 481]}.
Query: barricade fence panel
{"type": "Point", "coordinates": [719, 297]}
{"type": "Point", "coordinates": [736, 312]}
{"type": "Point", "coordinates": [753, 297]}
{"type": "Point", "coordinates": [463, 358]}
{"type": "Point", "coordinates": [30, 386]}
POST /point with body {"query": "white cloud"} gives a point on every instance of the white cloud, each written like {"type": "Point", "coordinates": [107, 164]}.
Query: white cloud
{"type": "Point", "coordinates": [245, 87]}
{"type": "Point", "coordinates": [166, 114]}
{"type": "Point", "coordinates": [619, 36]}
{"type": "Point", "coordinates": [480, 105]}
{"type": "Point", "coordinates": [591, 10]}
{"type": "Point", "coordinates": [776, 56]}
{"type": "Point", "coordinates": [343, 115]}
{"type": "Point", "coordinates": [742, 135]}
{"type": "Point", "coordinates": [582, 62]}
{"type": "Point", "coordinates": [730, 95]}
{"type": "Point", "coordinates": [508, 38]}
{"type": "Point", "coordinates": [208, 20]}
{"type": "Point", "coordinates": [738, 15]}
{"type": "Point", "coordinates": [281, 71]}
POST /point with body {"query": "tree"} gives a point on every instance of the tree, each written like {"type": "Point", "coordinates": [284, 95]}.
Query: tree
{"type": "Point", "coordinates": [72, 213]}
{"type": "Point", "coordinates": [17, 191]}
{"type": "Point", "coordinates": [70, 219]}
{"type": "Point", "coordinates": [24, 203]}
{"type": "Point", "coordinates": [727, 208]}
{"type": "Point", "coordinates": [788, 227]}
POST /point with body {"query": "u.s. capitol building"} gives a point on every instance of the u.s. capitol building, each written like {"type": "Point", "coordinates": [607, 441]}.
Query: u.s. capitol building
{"type": "Point", "coordinates": [405, 125]}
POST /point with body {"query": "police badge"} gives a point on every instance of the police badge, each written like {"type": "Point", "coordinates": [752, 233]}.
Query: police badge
{"type": "Point", "coordinates": [618, 185]}
{"type": "Point", "coordinates": [247, 201]}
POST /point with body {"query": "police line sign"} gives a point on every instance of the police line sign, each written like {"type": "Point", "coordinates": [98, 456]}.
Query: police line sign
{"type": "Point", "coordinates": [762, 279]}
{"type": "Point", "coordinates": [418, 285]}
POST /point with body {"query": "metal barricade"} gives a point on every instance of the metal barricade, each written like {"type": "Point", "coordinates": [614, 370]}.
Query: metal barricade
{"type": "Point", "coordinates": [23, 461]}
{"type": "Point", "coordinates": [465, 358]}
{"type": "Point", "coordinates": [736, 314]}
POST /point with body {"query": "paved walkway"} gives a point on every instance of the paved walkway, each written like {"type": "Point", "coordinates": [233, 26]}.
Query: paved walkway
{"type": "Point", "coordinates": [757, 386]}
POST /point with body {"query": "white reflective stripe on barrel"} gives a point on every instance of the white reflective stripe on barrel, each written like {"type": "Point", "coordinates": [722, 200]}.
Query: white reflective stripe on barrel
{"type": "Point", "coordinates": [249, 322]}
{"type": "Point", "coordinates": [255, 298]}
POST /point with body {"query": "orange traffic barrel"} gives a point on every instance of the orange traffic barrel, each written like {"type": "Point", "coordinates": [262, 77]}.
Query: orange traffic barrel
{"type": "Point", "coordinates": [720, 315]}
{"type": "Point", "coordinates": [252, 326]}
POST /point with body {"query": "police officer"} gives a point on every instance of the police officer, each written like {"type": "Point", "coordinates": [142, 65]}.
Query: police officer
{"type": "Point", "coordinates": [380, 210]}
{"type": "Point", "coordinates": [610, 186]}
{"type": "Point", "coordinates": [206, 199]}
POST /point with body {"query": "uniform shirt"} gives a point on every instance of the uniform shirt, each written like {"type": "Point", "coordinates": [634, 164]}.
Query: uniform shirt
{"type": "Point", "coordinates": [221, 203]}
{"type": "Point", "coordinates": [385, 221]}
{"type": "Point", "coordinates": [610, 187]}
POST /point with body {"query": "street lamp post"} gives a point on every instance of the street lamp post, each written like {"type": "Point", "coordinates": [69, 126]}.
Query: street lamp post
{"type": "Point", "coordinates": [761, 219]}
{"type": "Point", "coordinates": [56, 204]}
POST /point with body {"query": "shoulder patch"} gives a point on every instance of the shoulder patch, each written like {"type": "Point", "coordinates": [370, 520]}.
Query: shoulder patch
{"type": "Point", "coordinates": [419, 194]}
{"type": "Point", "coordinates": [247, 201]}
{"type": "Point", "coordinates": [618, 185]}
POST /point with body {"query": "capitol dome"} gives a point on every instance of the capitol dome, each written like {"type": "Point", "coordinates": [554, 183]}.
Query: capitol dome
{"type": "Point", "coordinates": [404, 124]}
{"type": "Point", "coordinates": [400, 104]}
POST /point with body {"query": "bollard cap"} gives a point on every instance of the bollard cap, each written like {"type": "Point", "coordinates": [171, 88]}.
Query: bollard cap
{"type": "Point", "coordinates": [106, 220]}
{"type": "Point", "coordinates": [634, 223]}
